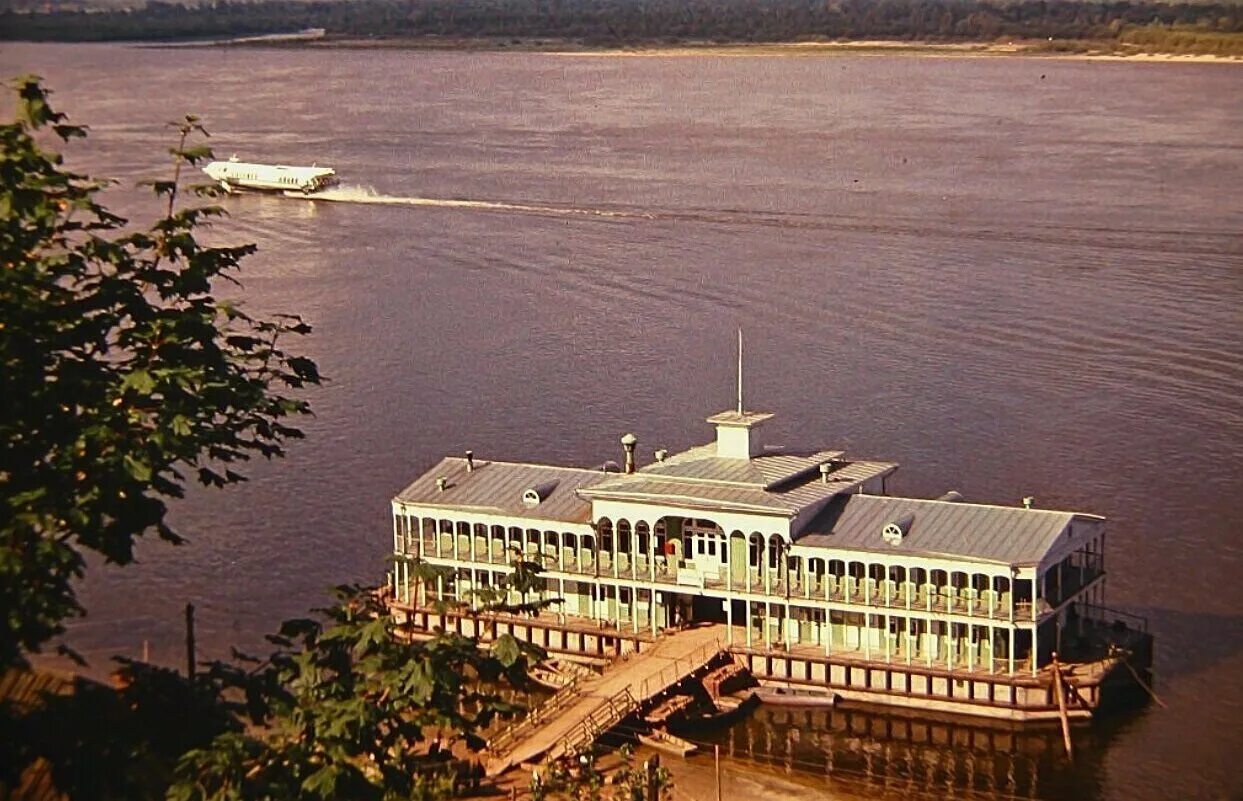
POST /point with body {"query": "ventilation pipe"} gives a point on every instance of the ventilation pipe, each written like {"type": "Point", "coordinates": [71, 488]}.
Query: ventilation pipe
{"type": "Point", "coordinates": [628, 442]}
{"type": "Point", "coordinates": [662, 455]}
{"type": "Point", "coordinates": [441, 483]}
{"type": "Point", "coordinates": [1028, 502]}
{"type": "Point", "coordinates": [825, 469]}
{"type": "Point", "coordinates": [470, 461]}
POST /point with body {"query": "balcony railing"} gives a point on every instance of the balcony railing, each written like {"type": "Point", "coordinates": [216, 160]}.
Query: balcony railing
{"type": "Point", "coordinates": [772, 583]}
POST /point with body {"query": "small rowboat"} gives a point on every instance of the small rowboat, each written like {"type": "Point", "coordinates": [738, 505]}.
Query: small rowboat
{"type": "Point", "coordinates": [775, 696]}
{"type": "Point", "coordinates": [664, 741]}
{"type": "Point", "coordinates": [556, 674]}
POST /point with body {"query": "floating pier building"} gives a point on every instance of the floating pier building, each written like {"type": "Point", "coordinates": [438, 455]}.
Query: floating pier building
{"type": "Point", "coordinates": [822, 581]}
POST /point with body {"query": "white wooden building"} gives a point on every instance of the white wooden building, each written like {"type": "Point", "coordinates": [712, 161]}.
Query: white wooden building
{"type": "Point", "coordinates": [799, 553]}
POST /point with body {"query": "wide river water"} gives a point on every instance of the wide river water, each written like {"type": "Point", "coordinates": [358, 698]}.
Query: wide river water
{"type": "Point", "coordinates": [1013, 276]}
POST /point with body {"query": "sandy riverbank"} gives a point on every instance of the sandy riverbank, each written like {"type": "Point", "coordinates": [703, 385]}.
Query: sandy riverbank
{"type": "Point", "coordinates": [789, 49]}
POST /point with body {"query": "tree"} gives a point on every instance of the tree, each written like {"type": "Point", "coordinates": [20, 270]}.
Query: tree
{"type": "Point", "coordinates": [350, 706]}
{"type": "Point", "coordinates": [122, 376]}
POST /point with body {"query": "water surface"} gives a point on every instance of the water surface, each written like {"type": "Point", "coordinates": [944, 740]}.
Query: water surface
{"type": "Point", "coordinates": [1014, 276]}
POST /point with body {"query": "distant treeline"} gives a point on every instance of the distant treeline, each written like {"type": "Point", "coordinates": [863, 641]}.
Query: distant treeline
{"type": "Point", "coordinates": [1171, 27]}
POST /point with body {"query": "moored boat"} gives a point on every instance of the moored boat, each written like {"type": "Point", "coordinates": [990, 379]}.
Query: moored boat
{"type": "Point", "coordinates": [777, 696]}
{"type": "Point", "coordinates": [669, 743]}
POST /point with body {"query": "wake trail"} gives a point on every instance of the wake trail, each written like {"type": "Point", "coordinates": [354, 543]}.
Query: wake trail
{"type": "Point", "coordinates": [370, 196]}
{"type": "Point", "coordinates": [1205, 243]}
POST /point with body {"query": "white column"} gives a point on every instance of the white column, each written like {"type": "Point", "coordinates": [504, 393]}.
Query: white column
{"type": "Point", "coordinates": [634, 549]}
{"type": "Point", "coordinates": [929, 637]}
{"type": "Point", "coordinates": [651, 556]}
{"type": "Point", "coordinates": [1011, 649]}
{"type": "Point", "coordinates": [454, 526]}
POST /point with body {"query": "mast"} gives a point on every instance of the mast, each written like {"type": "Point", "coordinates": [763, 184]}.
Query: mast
{"type": "Point", "coordinates": [740, 370]}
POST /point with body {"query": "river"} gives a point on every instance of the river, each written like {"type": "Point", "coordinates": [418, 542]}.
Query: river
{"type": "Point", "coordinates": [1014, 276]}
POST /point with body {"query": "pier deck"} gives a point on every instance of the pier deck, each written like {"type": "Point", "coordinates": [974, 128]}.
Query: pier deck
{"type": "Point", "coordinates": [587, 709]}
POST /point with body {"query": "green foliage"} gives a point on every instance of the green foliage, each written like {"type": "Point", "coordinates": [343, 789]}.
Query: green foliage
{"type": "Point", "coordinates": [120, 372]}
{"type": "Point", "coordinates": [577, 777]}
{"type": "Point", "coordinates": [525, 578]}
{"type": "Point", "coordinates": [350, 707]}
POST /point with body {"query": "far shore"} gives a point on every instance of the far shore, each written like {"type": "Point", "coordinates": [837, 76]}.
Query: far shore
{"type": "Point", "coordinates": [1070, 49]}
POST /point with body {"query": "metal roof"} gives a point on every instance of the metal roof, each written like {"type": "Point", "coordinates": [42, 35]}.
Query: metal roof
{"type": "Point", "coordinates": [1005, 534]}
{"type": "Point", "coordinates": [498, 488]}
{"type": "Point", "coordinates": [704, 482]}
{"type": "Point", "coordinates": [765, 470]}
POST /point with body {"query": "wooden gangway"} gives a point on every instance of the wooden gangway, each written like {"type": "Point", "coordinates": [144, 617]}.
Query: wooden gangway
{"type": "Point", "coordinates": [579, 713]}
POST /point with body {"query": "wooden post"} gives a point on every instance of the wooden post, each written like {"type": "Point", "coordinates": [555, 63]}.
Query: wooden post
{"type": "Point", "coordinates": [1060, 691]}
{"type": "Point", "coordinates": [653, 786]}
{"type": "Point", "coordinates": [716, 753]}
{"type": "Point", "coordinates": [190, 660]}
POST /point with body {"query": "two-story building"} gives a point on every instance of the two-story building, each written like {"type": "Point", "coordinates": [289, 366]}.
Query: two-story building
{"type": "Point", "coordinates": [823, 580]}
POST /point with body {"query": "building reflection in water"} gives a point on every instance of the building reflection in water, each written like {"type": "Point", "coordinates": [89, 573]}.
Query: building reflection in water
{"type": "Point", "coordinates": [906, 756]}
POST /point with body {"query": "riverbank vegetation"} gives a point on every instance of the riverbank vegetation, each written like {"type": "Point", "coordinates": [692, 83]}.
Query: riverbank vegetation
{"type": "Point", "coordinates": [1126, 26]}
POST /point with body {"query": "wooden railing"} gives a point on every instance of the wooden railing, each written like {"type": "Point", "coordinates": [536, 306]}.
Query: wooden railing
{"type": "Point", "coordinates": [603, 717]}
{"type": "Point", "coordinates": [504, 742]}
{"type": "Point", "coordinates": [679, 669]}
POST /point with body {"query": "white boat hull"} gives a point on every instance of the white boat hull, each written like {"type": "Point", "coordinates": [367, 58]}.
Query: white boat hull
{"type": "Point", "coordinates": [237, 176]}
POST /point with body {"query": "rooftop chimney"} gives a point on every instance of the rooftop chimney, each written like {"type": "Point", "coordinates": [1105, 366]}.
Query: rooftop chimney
{"type": "Point", "coordinates": [628, 442]}
{"type": "Point", "coordinates": [470, 461]}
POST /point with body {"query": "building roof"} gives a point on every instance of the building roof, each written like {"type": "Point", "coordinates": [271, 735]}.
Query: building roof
{"type": "Point", "coordinates": [773, 483]}
{"type": "Point", "coordinates": [499, 487]}
{"type": "Point", "coordinates": [764, 471]}
{"type": "Point", "coordinates": [1003, 534]}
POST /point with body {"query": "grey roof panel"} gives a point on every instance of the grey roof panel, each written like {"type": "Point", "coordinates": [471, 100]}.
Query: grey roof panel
{"type": "Point", "coordinates": [764, 470]}
{"type": "Point", "coordinates": [785, 499]}
{"type": "Point", "coordinates": [498, 487]}
{"type": "Point", "coordinates": [1009, 535]}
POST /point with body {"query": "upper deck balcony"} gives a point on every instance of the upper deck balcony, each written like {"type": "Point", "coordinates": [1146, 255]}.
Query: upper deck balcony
{"type": "Point", "coordinates": [993, 599]}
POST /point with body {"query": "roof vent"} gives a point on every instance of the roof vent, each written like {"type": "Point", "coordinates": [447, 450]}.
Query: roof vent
{"type": "Point", "coordinates": [470, 461]}
{"type": "Point", "coordinates": [609, 467]}
{"type": "Point", "coordinates": [893, 533]}
{"type": "Point", "coordinates": [953, 496]}
{"type": "Point", "coordinates": [441, 483]}
{"type": "Point", "coordinates": [534, 496]}
{"type": "Point", "coordinates": [1028, 501]}
{"type": "Point", "coordinates": [628, 442]}
{"type": "Point", "coordinates": [825, 469]}
{"type": "Point", "coordinates": [662, 455]}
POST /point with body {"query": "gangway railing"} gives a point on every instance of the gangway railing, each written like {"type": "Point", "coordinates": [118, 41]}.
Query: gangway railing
{"type": "Point", "coordinates": [679, 669]}
{"type": "Point", "coordinates": [606, 715]}
{"type": "Point", "coordinates": [504, 742]}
